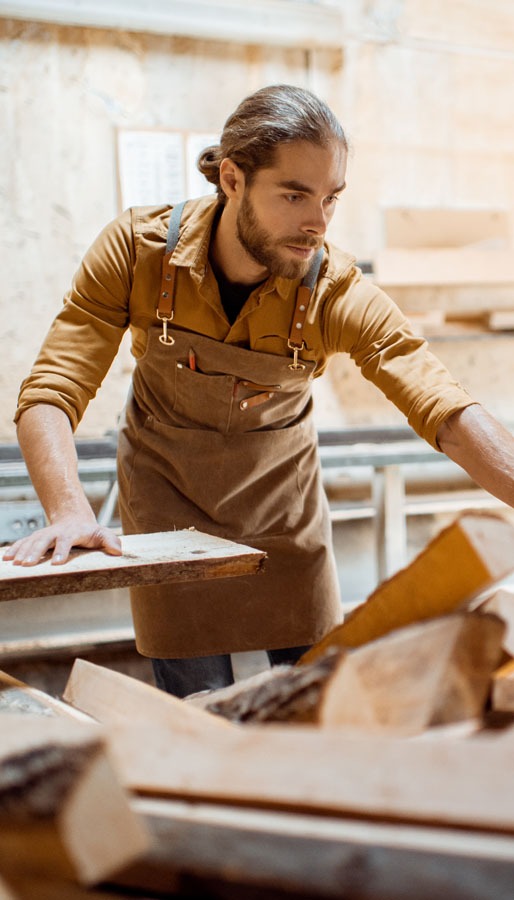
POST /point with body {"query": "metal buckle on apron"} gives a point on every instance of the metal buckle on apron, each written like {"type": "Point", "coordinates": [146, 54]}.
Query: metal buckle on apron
{"type": "Point", "coordinates": [296, 349]}
{"type": "Point", "coordinates": [303, 296]}
{"type": "Point", "coordinates": [165, 338]}
{"type": "Point", "coordinates": [164, 309]}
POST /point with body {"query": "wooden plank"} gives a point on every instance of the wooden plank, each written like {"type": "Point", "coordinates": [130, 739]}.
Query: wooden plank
{"type": "Point", "coordinates": [163, 557]}
{"type": "Point", "coordinates": [62, 809]}
{"type": "Point", "coordinates": [334, 770]}
{"type": "Point", "coordinates": [259, 852]}
{"type": "Point", "coordinates": [115, 697]}
{"type": "Point", "coordinates": [464, 558]}
{"type": "Point", "coordinates": [446, 266]}
{"type": "Point", "coordinates": [430, 674]}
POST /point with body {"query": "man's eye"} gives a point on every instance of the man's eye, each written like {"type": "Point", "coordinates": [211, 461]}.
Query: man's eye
{"type": "Point", "coordinates": [332, 199]}
{"type": "Point", "coordinates": [293, 198]}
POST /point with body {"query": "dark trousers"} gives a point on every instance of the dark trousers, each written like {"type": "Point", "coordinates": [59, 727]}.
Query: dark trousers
{"type": "Point", "coordinates": [182, 677]}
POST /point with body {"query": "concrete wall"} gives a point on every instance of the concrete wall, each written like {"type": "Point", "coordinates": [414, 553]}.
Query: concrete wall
{"type": "Point", "coordinates": [424, 90]}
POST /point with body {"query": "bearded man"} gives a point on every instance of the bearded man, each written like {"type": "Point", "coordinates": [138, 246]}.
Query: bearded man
{"type": "Point", "coordinates": [235, 303]}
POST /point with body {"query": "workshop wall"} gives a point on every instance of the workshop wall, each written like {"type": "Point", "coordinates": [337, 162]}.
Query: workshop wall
{"type": "Point", "coordinates": [424, 91]}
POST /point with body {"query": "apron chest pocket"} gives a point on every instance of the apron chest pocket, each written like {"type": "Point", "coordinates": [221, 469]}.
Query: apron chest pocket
{"type": "Point", "coordinates": [201, 399]}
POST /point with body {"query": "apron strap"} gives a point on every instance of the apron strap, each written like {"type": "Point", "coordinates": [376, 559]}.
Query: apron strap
{"type": "Point", "coordinates": [304, 291]}
{"type": "Point", "coordinates": [303, 295]}
{"type": "Point", "coordinates": [168, 275]}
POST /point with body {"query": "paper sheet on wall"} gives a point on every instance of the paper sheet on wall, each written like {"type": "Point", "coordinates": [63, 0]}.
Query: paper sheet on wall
{"type": "Point", "coordinates": [157, 166]}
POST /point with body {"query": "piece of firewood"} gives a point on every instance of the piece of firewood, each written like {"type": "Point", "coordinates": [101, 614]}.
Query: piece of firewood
{"type": "Point", "coordinates": [17, 697]}
{"type": "Point", "coordinates": [282, 694]}
{"type": "Point", "coordinates": [297, 767]}
{"type": "Point", "coordinates": [62, 809]}
{"type": "Point", "coordinates": [502, 697]}
{"type": "Point", "coordinates": [501, 603]}
{"type": "Point", "coordinates": [433, 673]}
{"type": "Point", "coordinates": [476, 550]}
{"type": "Point", "coordinates": [163, 557]}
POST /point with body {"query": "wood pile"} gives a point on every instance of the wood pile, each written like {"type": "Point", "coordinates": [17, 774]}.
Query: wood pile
{"type": "Point", "coordinates": [380, 766]}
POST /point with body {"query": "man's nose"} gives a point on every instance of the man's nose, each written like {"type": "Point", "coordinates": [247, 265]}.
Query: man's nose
{"type": "Point", "coordinates": [316, 222]}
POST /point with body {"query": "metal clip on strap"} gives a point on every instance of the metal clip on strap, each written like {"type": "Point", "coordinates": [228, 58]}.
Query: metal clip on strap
{"type": "Point", "coordinates": [296, 342]}
{"type": "Point", "coordinates": [164, 310]}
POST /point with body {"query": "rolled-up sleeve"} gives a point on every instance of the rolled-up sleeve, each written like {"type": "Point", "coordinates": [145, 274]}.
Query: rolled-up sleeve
{"type": "Point", "coordinates": [360, 319]}
{"type": "Point", "coordinates": [84, 337]}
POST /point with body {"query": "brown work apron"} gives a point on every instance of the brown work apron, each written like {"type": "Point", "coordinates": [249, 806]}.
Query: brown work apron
{"type": "Point", "coordinates": [231, 449]}
{"type": "Point", "coordinates": [222, 438]}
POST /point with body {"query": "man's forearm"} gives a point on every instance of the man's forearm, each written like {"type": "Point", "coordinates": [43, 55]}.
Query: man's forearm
{"type": "Point", "coordinates": [46, 441]}
{"type": "Point", "coordinates": [483, 448]}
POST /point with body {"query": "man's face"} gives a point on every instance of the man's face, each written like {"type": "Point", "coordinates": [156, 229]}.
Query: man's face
{"type": "Point", "coordinates": [284, 213]}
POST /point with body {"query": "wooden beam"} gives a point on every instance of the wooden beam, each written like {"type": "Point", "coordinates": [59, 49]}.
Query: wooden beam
{"type": "Point", "coordinates": [163, 557]}
{"type": "Point", "coordinates": [461, 560]}
{"type": "Point", "coordinates": [62, 809]}
{"type": "Point", "coordinates": [300, 768]}
{"type": "Point", "coordinates": [300, 856]}
{"type": "Point", "coordinates": [114, 697]}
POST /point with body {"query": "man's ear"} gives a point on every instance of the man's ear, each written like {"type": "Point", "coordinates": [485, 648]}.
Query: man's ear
{"type": "Point", "coordinates": [232, 178]}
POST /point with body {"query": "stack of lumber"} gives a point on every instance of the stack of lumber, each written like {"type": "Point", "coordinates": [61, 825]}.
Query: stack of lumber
{"type": "Point", "coordinates": [375, 768]}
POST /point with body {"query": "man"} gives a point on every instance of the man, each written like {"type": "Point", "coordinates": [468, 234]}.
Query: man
{"type": "Point", "coordinates": [230, 323]}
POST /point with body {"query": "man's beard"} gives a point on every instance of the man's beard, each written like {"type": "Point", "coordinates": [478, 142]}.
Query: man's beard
{"type": "Point", "coordinates": [262, 247]}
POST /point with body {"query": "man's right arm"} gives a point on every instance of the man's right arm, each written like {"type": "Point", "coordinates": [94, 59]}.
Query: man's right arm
{"type": "Point", "coordinates": [46, 440]}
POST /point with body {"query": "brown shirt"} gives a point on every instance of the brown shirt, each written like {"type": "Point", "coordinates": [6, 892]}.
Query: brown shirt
{"type": "Point", "coordinates": [117, 286]}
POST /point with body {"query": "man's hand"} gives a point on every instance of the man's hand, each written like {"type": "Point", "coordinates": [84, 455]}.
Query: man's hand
{"type": "Point", "coordinates": [46, 441]}
{"type": "Point", "coordinates": [61, 536]}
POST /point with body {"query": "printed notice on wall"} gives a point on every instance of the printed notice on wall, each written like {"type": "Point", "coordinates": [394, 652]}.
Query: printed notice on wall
{"type": "Point", "coordinates": [157, 166]}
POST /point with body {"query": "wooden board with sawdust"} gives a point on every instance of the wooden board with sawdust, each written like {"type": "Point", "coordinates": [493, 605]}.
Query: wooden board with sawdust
{"type": "Point", "coordinates": [163, 557]}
